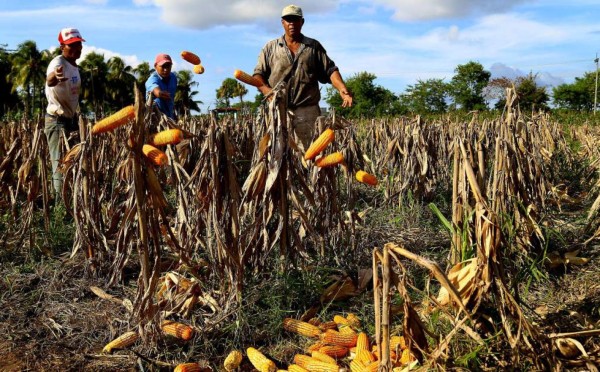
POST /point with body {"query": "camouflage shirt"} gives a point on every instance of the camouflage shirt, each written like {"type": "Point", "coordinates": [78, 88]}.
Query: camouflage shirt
{"type": "Point", "coordinates": [313, 66]}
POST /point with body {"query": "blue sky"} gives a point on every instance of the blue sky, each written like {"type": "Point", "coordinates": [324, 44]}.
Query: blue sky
{"type": "Point", "coordinates": [400, 41]}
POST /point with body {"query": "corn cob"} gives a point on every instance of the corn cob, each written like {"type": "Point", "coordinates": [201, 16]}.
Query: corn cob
{"type": "Point", "coordinates": [362, 342]}
{"type": "Point", "coordinates": [301, 328]}
{"type": "Point", "coordinates": [166, 137]}
{"type": "Point", "coordinates": [179, 330]}
{"type": "Point", "coordinates": [346, 329]}
{"type": "Point", "coordinates": [323, 357]}
{"type": "Point", "coordinates": [190, 57]}
{"type": "Point", "coordinates": [319, 144]}
{"type": "Point", "coordinates": [296, 368]}
{"type": "Point", "coordinates": [334, 351]}
{"type": "Point", "coordinates": [115, 120]}
{"type": "Point", "coordinates": [356, 366]}
{"type": "Point", "coordinates": [260, 361]}
{"type": "Point", "coordinates": [372, 367]}
{"type": "Point", "coordinates": [121, 342]}
{"type": "Point", "coordinates": [353, 320]}
{"type": "Point", "coordinates": [364, 177]}
{"type": "Point", "coordinates": [314, 365]}
{"type": "Point", "coordinates": [406, 357]}
{"type": "Point", "coordinates": [198, 69]}
{"type": "Point", "coordinates": [246, 78]}
{"type": "Point", "coordinates": [327, 325]}
{"type": "Point", "coordinates": [316, 346]}
{"type": "Point", "coordinates": [339, 319]}
{"type": "Point", "coordinates": [233, 360]}
{"type": "Point", "coordinates": [156, 156]}
{"type": "Point", "coordinates": [365, 356]}
{"type": "Point", "coordinates": [337, 338]}
{"type": "Point", "coordinates": [330, 160]}
{"type": "Point", "coordinates": [188, 367]}
{"type": "Point", "coordinates": [397, 342]}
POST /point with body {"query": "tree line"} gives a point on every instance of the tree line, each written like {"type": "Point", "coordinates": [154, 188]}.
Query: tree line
{"type": "Point", "coordinates": [106, 87]}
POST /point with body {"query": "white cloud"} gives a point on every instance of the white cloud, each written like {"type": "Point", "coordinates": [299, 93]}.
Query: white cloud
{"type": "Point", "coordinates": [130, 60]}
{"type": "Point", "coordinates": [410, 10]}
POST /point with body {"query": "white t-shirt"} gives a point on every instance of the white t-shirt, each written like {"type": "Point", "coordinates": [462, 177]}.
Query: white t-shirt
{"type": "Point", "coordinates": [63, 98]}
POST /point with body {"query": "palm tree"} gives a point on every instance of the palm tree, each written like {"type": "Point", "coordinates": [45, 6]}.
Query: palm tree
{"type": "Point", "coordinates": [142, 72]}
{"type": "Point", "coordinates": [28, 73]}
{"type": "Point", "coordinates": [229, 88]}
{"type": "Point", "coordinates": [120, 82]}
{"type": "Point", "coordinates": [184, 96]}
{"type": "Point", "coordinates": [93, 72]}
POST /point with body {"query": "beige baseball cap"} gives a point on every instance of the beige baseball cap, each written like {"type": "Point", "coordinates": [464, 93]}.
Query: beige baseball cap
{"type": "Point", "coordinates": [291, 11]}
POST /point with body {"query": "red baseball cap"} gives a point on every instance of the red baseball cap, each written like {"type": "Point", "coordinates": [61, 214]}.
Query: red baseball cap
{"type": "Point", "coordinates": [162, 58]}
{"type": "Point", "coordinates": [69, 35]}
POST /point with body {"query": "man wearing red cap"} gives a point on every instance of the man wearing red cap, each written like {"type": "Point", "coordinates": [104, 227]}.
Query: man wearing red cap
{"type": "Point", "coordinates": [162, 85]}
{"type": "Point", "coordinates": [63, 84]}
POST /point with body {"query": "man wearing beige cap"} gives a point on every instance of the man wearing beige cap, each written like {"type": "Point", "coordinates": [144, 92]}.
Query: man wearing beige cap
{"type": "Point", "coordinates": [63, 84]}
{"type": "Point", "coordinates": [303, 63]}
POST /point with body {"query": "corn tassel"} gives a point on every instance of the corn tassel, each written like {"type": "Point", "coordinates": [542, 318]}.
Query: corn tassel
{"type": "Point", "coordinates": [156, 156]}
{"type": "Point", "coordinates": [121, 342]}
{"type": "Point", "coordinates": [179, 330]}
{"type": "Point", "coordinates": [188, 367]}
{"type": "Point", "coordinates": [190, 57]}
{"type": "Point", "coordinates": [364, 177]}
{"type": "Point", "coordinates": [337, 338]}
{"type": "Point", "coordinates": [301, 328]}
{"type": "Point", "coordinates": [233, 360]}
{"type": "Point", "coordinates": [260, 361]}
{"type": "Point", "coordinates": [198, 69]}
{"type": "Point", "coordinates": [115, 120]}
{"type": "Point", "coordinates": [166, 137]}
{"type": "Point", "coordinates": [334, 351]}
{"type": "Point", "coordinates": [246, 78]}
{"type": "Point", "coordinates": [314, 365]}
{"type": "Point", "coordinates": [319, 144]}
{"type": "Point", "coordinates": [323, 357]}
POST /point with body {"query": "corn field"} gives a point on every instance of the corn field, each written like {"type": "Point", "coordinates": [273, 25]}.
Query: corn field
{"type": "Point", "coordinates": [235, 197]}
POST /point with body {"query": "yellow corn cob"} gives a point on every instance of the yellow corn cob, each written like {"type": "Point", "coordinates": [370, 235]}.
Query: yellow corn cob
{"type": "Point", "coordinates": [198, 69]}
{"type": "Point", "coordinates": [406, 357]}
{"type": "Point", "coordinates": [334, 351]}
{"type": "Point", "coordinates": [329, 161]}
{"type": "Point", "coordinates": [323, 357]}
{"type": "Point", "coordinates": [314, 365]}
{"type": "Point", "coordinates": [260, 361]}
{"type": "Point", "coordinates": [121, 342]}
{"type": "Point", "coordinates": [190, 57]}
{"type": "Point", "coordinates": [397, 342]}
{"type": "Point", "coordinates": [337, 338]}
{"type": "Point", "coordinates": [327, 325]}
{"type": "Point", "coordinates": [365, 356]}
{"type": "Point", "coordinates": [176, 329]}
{"type": "Point", "coordinates": [301, 328]}
{"type": "Point", "coordinates": [188, 367]}
{"type": "Point", "coordinates": [233, 360]}
{"type": "Point", "coordinates": [246, 78]}
{"type": "Point", "coordinates": [356, 366]}
{"type": "Point", "coordinates": [156, 156]}
{"type": "Point", "coordinates": [362, 342]}
{"type": "Point", "coordinates": [353, 320]}
{"type": "Point", "coordinates": [316, 346]}
{"type": "Point", "coordinates": [166, 137]}
{"type": "Point", "coordinates": [296, 368]}
{"type": "Point", "coordinates": [372, 367]}
{"type": "Point", "coordinates": [339, 319]}
{"type": "Point", "coordinates": [319, 144]}
{"type": "Point", "coordinates": [376, 353]}
{"type": "Point", "coordinates": [115, 120]}
{"type": "Point", "coordinates": [346, 329]}
{"type": "Point", "coordinates": [364, 177]}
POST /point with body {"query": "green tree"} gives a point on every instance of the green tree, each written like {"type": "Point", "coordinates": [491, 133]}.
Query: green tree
{"type": "Point", "coordinates": [28, 74]}
{"type": "Point", "coordinates": [229, 89]}
{"type": "Point", "coordinates": [466, 87]}
{"type": "Point", "coordinates": [427, 96]}
{"type": "Point", "coordinates": [576, 96]}
{"type": "Point", "coordinates": [120, 82]}
{"type": "Point", "coordinates": [10, 100]}
{"type": "Point", "coordinates": [142, 72]}
{"type": "Point", "coordinates": [184, 96]}
{"type": "Point", "coordinates": [531, 96]}
{"type": "Point", "coordinates": [369, 99]}
{"type": "Point", "coordinates": [93, 70]}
